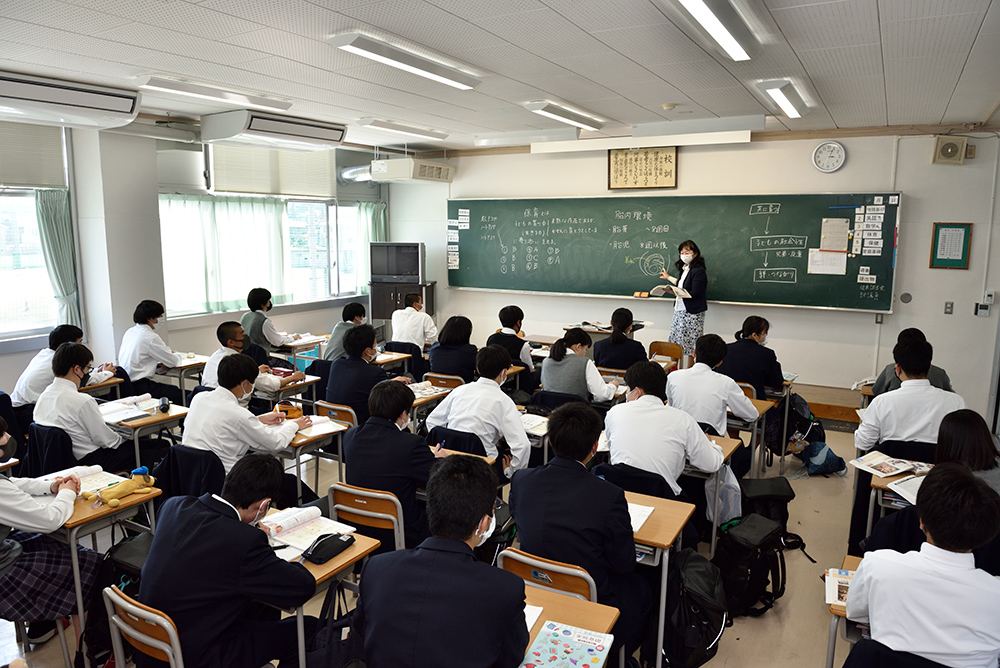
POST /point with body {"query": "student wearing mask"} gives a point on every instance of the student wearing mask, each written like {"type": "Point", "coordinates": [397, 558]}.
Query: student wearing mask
{"type": "Point", "coordinates": [143, 351]}
{"type": "Point", "coordinates": [353, 377]}
{"type": "Point", "coordinates": [618, 351]}
{"type": "Point", "coordinates": [453, 354]}
{"type": "Point", "coordinates": [260, 328]}
{"type": "Point", "coordinates": [353, 315]}
{"type": "Point", "coordinates": [749, 360]}
{"type": "Point", "coordinates": [569, 370]}
{"type": "Point", "coordinates": [888, 380]}
{"type": "Point", "coordinates": [689, 312]}
{"type": "Point", "coordinates": [519, 350]}
{"type": "Point", "coordinates": [412, 325]}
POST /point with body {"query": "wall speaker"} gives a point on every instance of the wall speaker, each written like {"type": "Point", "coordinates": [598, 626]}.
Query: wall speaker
{"type": "Point", "coordinates": [949, 150]}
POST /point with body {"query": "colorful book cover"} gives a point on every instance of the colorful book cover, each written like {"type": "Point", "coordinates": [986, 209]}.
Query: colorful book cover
{"type": "Point", "coordinates": [562, 646]}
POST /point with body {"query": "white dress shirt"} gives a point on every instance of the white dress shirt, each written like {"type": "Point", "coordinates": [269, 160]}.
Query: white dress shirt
{"type": "Point", "coordinates": [266, 383]}
{"type": "Point", "coordinates": [483, 409]}
{"type": "Point", "coordinates": [933, 603]}
{"type": "Point", "coordinates": [525, 356]}
{"type": "Point", "coordinates": [63, 405]}
{"type": "Point", "coordinates": [679, 302]}
{"type": "Point", "coordinates": [704, 395]}
{"type": "Point", "coordinates": [38, 375]}
{"type": "Point", "coordinates": [217, 422]}
{"type": "Point", "coordinates": [600, 390]}
{"type": "Point", "coordinates": [413, 326]}
{"type": "Point", "coordinates": [653, 437]}
{"type": "Point", "coordinates": [20, 507]}
{"type": "Point", "coordinates": [911, 413]}
{"type": "Point", "coordinates": [141, 350]}
{"type": "Point", "coordinates": [272, 335]}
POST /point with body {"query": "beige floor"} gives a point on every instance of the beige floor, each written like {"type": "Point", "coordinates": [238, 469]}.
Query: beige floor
{"type": "Point", "coordinates": [793, 633]}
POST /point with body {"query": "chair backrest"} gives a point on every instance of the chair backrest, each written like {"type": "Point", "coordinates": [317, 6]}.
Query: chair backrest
{"type": "Point", "coordinates": [13, 425]}
{"type": "Point", "coordinates": [608, 371]}
{"type": "Point", "coordinates": [633, 479]}
{"type": "Point", "coordinates": [444, 380]}
{"type": "Point", "coordinates": [337, 413]}
{"type": "Point", "coordinates": [186, 471]}
{"type": "Point", "coordinates": [868, 653]}
{"type": "Point", "coordinates": [748, 390]}
{"type": "Point", "coordinates": [320, 369]}
{"type": "Point", "coordinates": [548, 574]}
{"type": "Point", "coordinates": [50, 449]}
{"type": "Point", "coordinates": [459, 441]}
{"type": "Point", "coordinates": [671, 350]}
{"type": "Point", "coordinates": [553, 400]}
{"type": "Point", "coordinates": [148, 630]}
{"type": "Point", "coordinates": [256, 353]}
{"type": "Point", "coordinates": [367, 507]}
{"type": "Point", "coordinates": [913, 450]}
{"type": "Point", "coordinates": [198, 389]}
{"type": "Point", "coordinates": [418, 366]}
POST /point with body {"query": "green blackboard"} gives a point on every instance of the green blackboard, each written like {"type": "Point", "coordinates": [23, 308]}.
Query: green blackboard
{"type": "Point", "coordinates": [824, 251]}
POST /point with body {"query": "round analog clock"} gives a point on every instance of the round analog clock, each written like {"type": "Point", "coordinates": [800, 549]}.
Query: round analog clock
{"type": "Point", "coordinates": [829, 156]}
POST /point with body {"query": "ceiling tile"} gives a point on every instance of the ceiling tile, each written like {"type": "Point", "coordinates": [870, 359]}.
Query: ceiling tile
{"type": "Point", "coordinates": [473, 10]}
{"type": "Point", "coordinates": [59, 14]}
{"type": "Point", "coordinates": [854, 102]}
{"type": "Point", "coordinates": [544, 33]}
{"type": "Point", "coordinates": [607, 69]}
{"type": "Point", "coordinates": [918, 89]}
{"type": "Point", "coordinates": [194, 19]}
{"type": "Point", "coordinates": [424, 24]}
{"type": "Point", "coordinates": [831, 24]}
{"type": "Point", "coordinates": [168, 41]}
{"type": "Point", "coordinates": [653, 45]}
{"type": "Point", "coordinates": [595, 16]}
{"type": "Point", "coordinates": [902, 10]}
{"type": "Point", "coordinates": [295, 16]}
{"type": "Point", "coordinates": [941, 36]}
{"type": "Point", "coordinates": [848, 61]}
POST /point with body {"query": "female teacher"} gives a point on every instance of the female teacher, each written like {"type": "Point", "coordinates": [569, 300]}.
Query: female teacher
{"type": "Point", "coordinates": [689, 312]}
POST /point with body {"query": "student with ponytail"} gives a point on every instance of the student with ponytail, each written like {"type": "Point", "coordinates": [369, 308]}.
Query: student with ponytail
{"type": "Point", "coordinates": [618, 351]}
{"type": "Point", "coordinates": [569, 370]}
{"type": "Point", "coordinates": [749, 360]}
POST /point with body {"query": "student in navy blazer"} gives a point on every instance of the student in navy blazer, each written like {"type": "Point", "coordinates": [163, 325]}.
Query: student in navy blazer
{"type": "Point", "coordinates": [453, 354]}
{"type": "Point", "coordinates": [618, 351]}
{"type": "Point", "coordinates": [563, 512]}
{"type": "Point", "coordinates": [438, 605]}
{"type": "Point", "coordinates": [210, 570]}
{"type": "Point", "coordinates": [353, 377]}
{"type": "Point", "coordinates": [749, 360]}
{"type": "Point", "coordinates": [383, 455]}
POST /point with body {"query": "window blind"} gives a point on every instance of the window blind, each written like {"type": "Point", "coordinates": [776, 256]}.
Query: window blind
{"type": "Point", "coordinates": [31, 155]}
{"type": "Point", "coordinates": [243, 169]}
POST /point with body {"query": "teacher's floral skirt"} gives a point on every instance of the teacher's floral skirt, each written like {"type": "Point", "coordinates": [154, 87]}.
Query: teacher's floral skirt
{"type": "Point", "coordinates": [686, 328]}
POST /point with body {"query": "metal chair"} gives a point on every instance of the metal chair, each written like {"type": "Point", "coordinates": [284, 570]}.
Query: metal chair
{"type": "Point", "coordinates": [148, 630]}
{"type": "Point", "coordinates": [367, 507]}
{"type": "Point", "coordinates": [338, 413]}
{"type": "Point", "coordinates": [443, 380]}
{"type": "Point", "coordinates": [548, 574]}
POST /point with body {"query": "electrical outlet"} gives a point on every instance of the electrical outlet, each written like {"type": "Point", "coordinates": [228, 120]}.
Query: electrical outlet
{"type": "Point", "coordinates": [970, 151]}
{"type": "Point", "coordinates": [878, 318]}
{"type": "Point", "coordinates": [949, 308]}
{"type": "Point", "coordinates": [982, 310]}
{"type": "Point", "coordinates": [989, 297]}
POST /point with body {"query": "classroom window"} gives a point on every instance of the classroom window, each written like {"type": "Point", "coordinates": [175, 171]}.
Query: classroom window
{"type": "Point", "coordinates": [28, 305]}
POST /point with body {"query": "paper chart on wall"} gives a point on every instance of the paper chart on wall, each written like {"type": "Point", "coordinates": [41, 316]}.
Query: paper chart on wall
{"type": "Point", "coordinates": [833, 236]}
{"type": "Point", "coordinates": [827, 262]}
{"type": "Point", "coordinates": [951, 243]}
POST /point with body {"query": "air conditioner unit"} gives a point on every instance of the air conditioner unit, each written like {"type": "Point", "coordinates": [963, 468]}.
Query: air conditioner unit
{"type": "Point", "coordinates": [243, 126]}
{"type": "Point", "coordinates": [27, 99]}
{"type": "Point", "coordinates": [411, 169]}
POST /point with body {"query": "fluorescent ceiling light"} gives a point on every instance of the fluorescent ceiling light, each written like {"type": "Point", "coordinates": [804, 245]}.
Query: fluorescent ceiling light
{"type": "Point", "coordinates": [400, 129]}
{"type": "Point", "coordinates": [605, 143]}
{"type": "Point", "coordinates": [203, 92]}
{"type": "Point", "coordinates": [785, 96]}
{"type": "Point", "coordinates": [525, 137]}
{"type": "Point", "coordinates": [724, 25]}
{"type": "Point", "coordinates": [404, 60]}
{"type": "Point", "coordinates": [563, 115]}
{"type": "Point", "coordinates": [699, 125]}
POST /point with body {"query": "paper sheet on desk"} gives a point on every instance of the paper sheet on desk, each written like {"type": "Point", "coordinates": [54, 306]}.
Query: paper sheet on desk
{"type": "Point", "coordinates": [531, 615]}
{"type": "Point", "coordinates": [638, 514]}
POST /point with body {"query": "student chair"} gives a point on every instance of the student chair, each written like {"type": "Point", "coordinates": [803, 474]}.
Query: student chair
{"type": "Point", "coordinates": [368, 508]}
{"type": "Point", "coordinates": [198, 389]}
{"type": "Point", "coordinates": [416, 365]}
{"type": "Point", "coordinates": [148, 630]}
{"type": "Point", "coordinates": [672, 350]}
{"type": "Point", "coordinates": [186, 471]}
{"type": "Point", "coordinates": [256, 353]}
{"type": "Point", "coordinates": [553, 400]}
{"type": "Point", "coordinates": [337, 413]}
{"type": "Point", "coordinates": [50, 449]}
{"type": "Point", "coordinates": [459, 441]}
{"type": "Point", "coordinates": [633, 479]}
{"type": "Point", "coordinates": [443, 380]}
{"type": "Point", "coordinates": [320, 369]}
{"type": "Point", "coordinates": [868, 653]}
{"type": "Point", "coordinates": [608, 371]}
{"type": "Point", "coordinates": [548, 574]}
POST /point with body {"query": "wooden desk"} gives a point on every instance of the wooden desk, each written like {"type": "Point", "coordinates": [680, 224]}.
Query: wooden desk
{"type": "Point", "coordinates": [295, 348]}
{"type": "Point", "coordinates": [755, 427]}
{"type": "Point", "coordinates": [866, 395]}
{"type": "Point", "coordinates": [668, 363]}
{"type": "Point", "coordinates": [139, 427]}
{"type": "Point", "coordinates": [391, 358]}
{"type": "Point", "coordinates": [515, 371]}
{"type": "Point", "coordinates": [660, 531]}
{"type": "Point", "coordinates": [311, 440]}
{"type": "Point", "coordinates": [440, 393]}
{"type": "Point", "coordinates": [543, 339]}
{"type": "Point", "coordinates": [187, 367]}
{"type": "Point", "coordinates": [9, 464]}
{"type": "Point", "coordinates": [838, 613]}
{"type": "Point", "coordinates": [488, 460]}
{"type": "Point", "coordinates": [87, 520]}
{"type": "Point", "coordinates": [568, 610]}
{"type": "Point", "coordinates": [100, 389]}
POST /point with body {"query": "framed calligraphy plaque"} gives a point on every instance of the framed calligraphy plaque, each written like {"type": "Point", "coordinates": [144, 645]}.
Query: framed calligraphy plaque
{"type": "Point", "coordinates": [642, 168]}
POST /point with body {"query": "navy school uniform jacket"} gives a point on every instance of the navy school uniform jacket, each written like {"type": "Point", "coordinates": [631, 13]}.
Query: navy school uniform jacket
{"type": "Point", "coordinates": [351, 381]}
{"type": "Point", "coordinates": [747, 361]}
{"type": "Point", "coordinates": [618, 355]}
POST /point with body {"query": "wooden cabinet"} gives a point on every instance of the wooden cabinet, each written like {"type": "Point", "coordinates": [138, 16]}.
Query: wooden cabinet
{"type": "Point", "coordinates": [388, 297]}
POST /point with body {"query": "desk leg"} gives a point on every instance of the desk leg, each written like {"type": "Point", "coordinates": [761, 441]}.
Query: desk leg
{"type": "Point", "coordinates": [340, 457]}
{"type": "Point", "coordinates": [135, 442]}
{"type": "Point", "coordinates": [831, 643]}
{"type": "Point", "coordinates": [298, 474]}
{"type": "Point", "coordinates": [761, 429]}
{"type": "Point", "coordinates": [715, 509]}
{"type": "Point", "coordinates": [784, 429]}
{"type": "Point", "coordinates": [545, 449]}
{"type": "Point", "coordinates": [664, 562]}
{"type": "Point", "coordinates": [72, 538]}
{"type": "Point", "coordinates": [300, 630]}
{"type": "Point", "coordinates": [118, 391]}
{"type": "Point", "coordinates": [871, 513]}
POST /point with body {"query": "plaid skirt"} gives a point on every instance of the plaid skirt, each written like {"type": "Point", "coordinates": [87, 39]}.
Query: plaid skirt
{"type": "Point", "coordinates": [39, 585]}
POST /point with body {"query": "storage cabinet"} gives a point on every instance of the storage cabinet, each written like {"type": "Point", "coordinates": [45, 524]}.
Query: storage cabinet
{"type": "Point", "coordinates": [388, 297]}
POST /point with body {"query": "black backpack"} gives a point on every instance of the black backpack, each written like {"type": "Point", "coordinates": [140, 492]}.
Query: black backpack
{"type": "Point", "coordinates": [749, 556]}
{"type": "Point", "coordinates": [801, 421]}
{"type": "Point", "coordinates": [695, 614]}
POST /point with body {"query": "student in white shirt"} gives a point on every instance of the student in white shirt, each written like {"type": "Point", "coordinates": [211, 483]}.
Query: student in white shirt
{"type": "Point", "coordinates": [912, 413]}
{"type": "Point", "coordinates": [38, 374]}
{"type": "Point", "coordinates": [62, 405]}
{"type": "Point", "coordinates": [261, 329]}
{"type": "Point", "coordinates": [217, 422]}
{"type": "Point", "coordinates": [412, 325]}
{"type": "Point", "coordinates": [570, 371]}
{"type": "Point", "coordinates": [234, 341]}
{"type": "Point", "coordinates": [646, 434]}
{"type": "Point", "coordinates": [353, 315]}
{"type": "Point", "coordinates": [482, 408]}
{"type": "Point", "coordinates": [143, 351]}
{"type": "Point", "coordinates": [934, 602]}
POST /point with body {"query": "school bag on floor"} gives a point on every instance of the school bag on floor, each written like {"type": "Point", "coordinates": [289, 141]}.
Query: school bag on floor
{"type": "Point", "coordinates": [749, 557]}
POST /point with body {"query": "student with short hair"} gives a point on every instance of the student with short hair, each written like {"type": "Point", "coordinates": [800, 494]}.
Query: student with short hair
{"type": "Point", "coordinates": [353, 377]}
{"type": "Point", "coordinates": [563, 512]}
{"type": "Point", "coordinates": [211, 570]}
{"type": "Point", "coordinates": [62, 405]}
{"type": "Point", "coordinates": [704, 394]}
{"type": "Point", "coordinates": [934, 602]}
{"type": "Point", "coordinates": [352, 315]}
{"type": "Point", "coordinates": [234, 341]}
{"type": "Point", "coordinates": [749, 360]}
{"type": "Point", "coordinates": [618, 351]}
{"type": "Point", "coordinates": [570, 371]}
{"type": "Point", "coordinates": [437, 605]}
{"type": "Point", "coordinates": [384, 455]}
{"type": "Point", "coordinates": [511, 318]}
{"type": "Point", "coordinates": [483, 409]}
{"type": "Point", "coordinates": [142, 351]}
{"type": "Point", "coordinates": [218, 423]}
{"type": "Point", "coordinates": [964, 437]}
{"type": "Point", "coordinates": [411, 325]}
{"type": "Point", "coordinates": [453, 353]}
{"type": "Point", "coordinates": [888, 380]}
{"type": "Point", "coordinates": [260, 328]}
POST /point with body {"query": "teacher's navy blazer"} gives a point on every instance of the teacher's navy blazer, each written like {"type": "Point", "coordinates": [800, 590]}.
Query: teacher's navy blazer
{"type": "Point", "coordinates": [696, 283]}
{"type": "Point", "coordinates": [206, 569]}
{"type": "Point", "coordinates": [437, 605]}
{"type": "Point", "coordinates": [351, 381]}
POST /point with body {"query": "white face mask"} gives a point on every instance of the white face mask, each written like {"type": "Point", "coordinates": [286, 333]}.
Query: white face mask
{"type": "Point", "coordinates": [262, 510]}
{"type": "Point", "coordinates": [364, 320]}
{"type": "Point", "coordinates": [628, 394]}
{"type": "Point", "coordinates": [244, 395]}
{"type": "Point", "coordinates": [406, 424]}
{"type": "Point", "coordinates": [686, 258]}
{"type": "Point", "coordinates": [489, 532]}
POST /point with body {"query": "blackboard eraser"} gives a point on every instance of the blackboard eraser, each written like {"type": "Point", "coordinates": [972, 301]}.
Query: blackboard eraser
{"type": "Point", "coordinates": [641, 295]}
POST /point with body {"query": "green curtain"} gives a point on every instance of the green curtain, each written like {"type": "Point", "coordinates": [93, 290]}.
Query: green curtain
{"type": "Point", "coordinates": [55, 228]}
{"type": "Point", "coordinates": [374, 227]}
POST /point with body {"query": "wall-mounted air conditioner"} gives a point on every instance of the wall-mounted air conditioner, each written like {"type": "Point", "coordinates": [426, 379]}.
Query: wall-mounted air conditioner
{"type": "Point", "coordinates": [412, 169]}
{"type": "Point", "coordinates": [246, 127]}
{"type": "Point", "coordinates": [41, 101]}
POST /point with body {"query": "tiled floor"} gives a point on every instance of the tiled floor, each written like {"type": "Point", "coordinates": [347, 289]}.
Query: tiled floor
{"type": "Point", "coordinates": [793, 633]}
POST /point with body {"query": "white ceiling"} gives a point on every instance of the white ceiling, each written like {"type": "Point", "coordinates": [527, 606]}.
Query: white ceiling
{"type": "Point", "coordinates": [857, 63]}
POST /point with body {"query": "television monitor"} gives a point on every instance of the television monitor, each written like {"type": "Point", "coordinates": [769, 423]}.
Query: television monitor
{"type": "Point", "coordinates": [397, 262]}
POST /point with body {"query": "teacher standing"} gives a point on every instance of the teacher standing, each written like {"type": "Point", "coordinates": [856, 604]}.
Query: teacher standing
{"type": "Point", "coordinates": [689, 312]}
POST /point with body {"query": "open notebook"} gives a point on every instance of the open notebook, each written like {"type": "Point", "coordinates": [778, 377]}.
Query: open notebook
{"type": "Point", "coordinates": [299, 527]}
{"type": "Point", "coordinates": [92, 478]}
{"type": "Point", "coordinates": [128, 408]}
